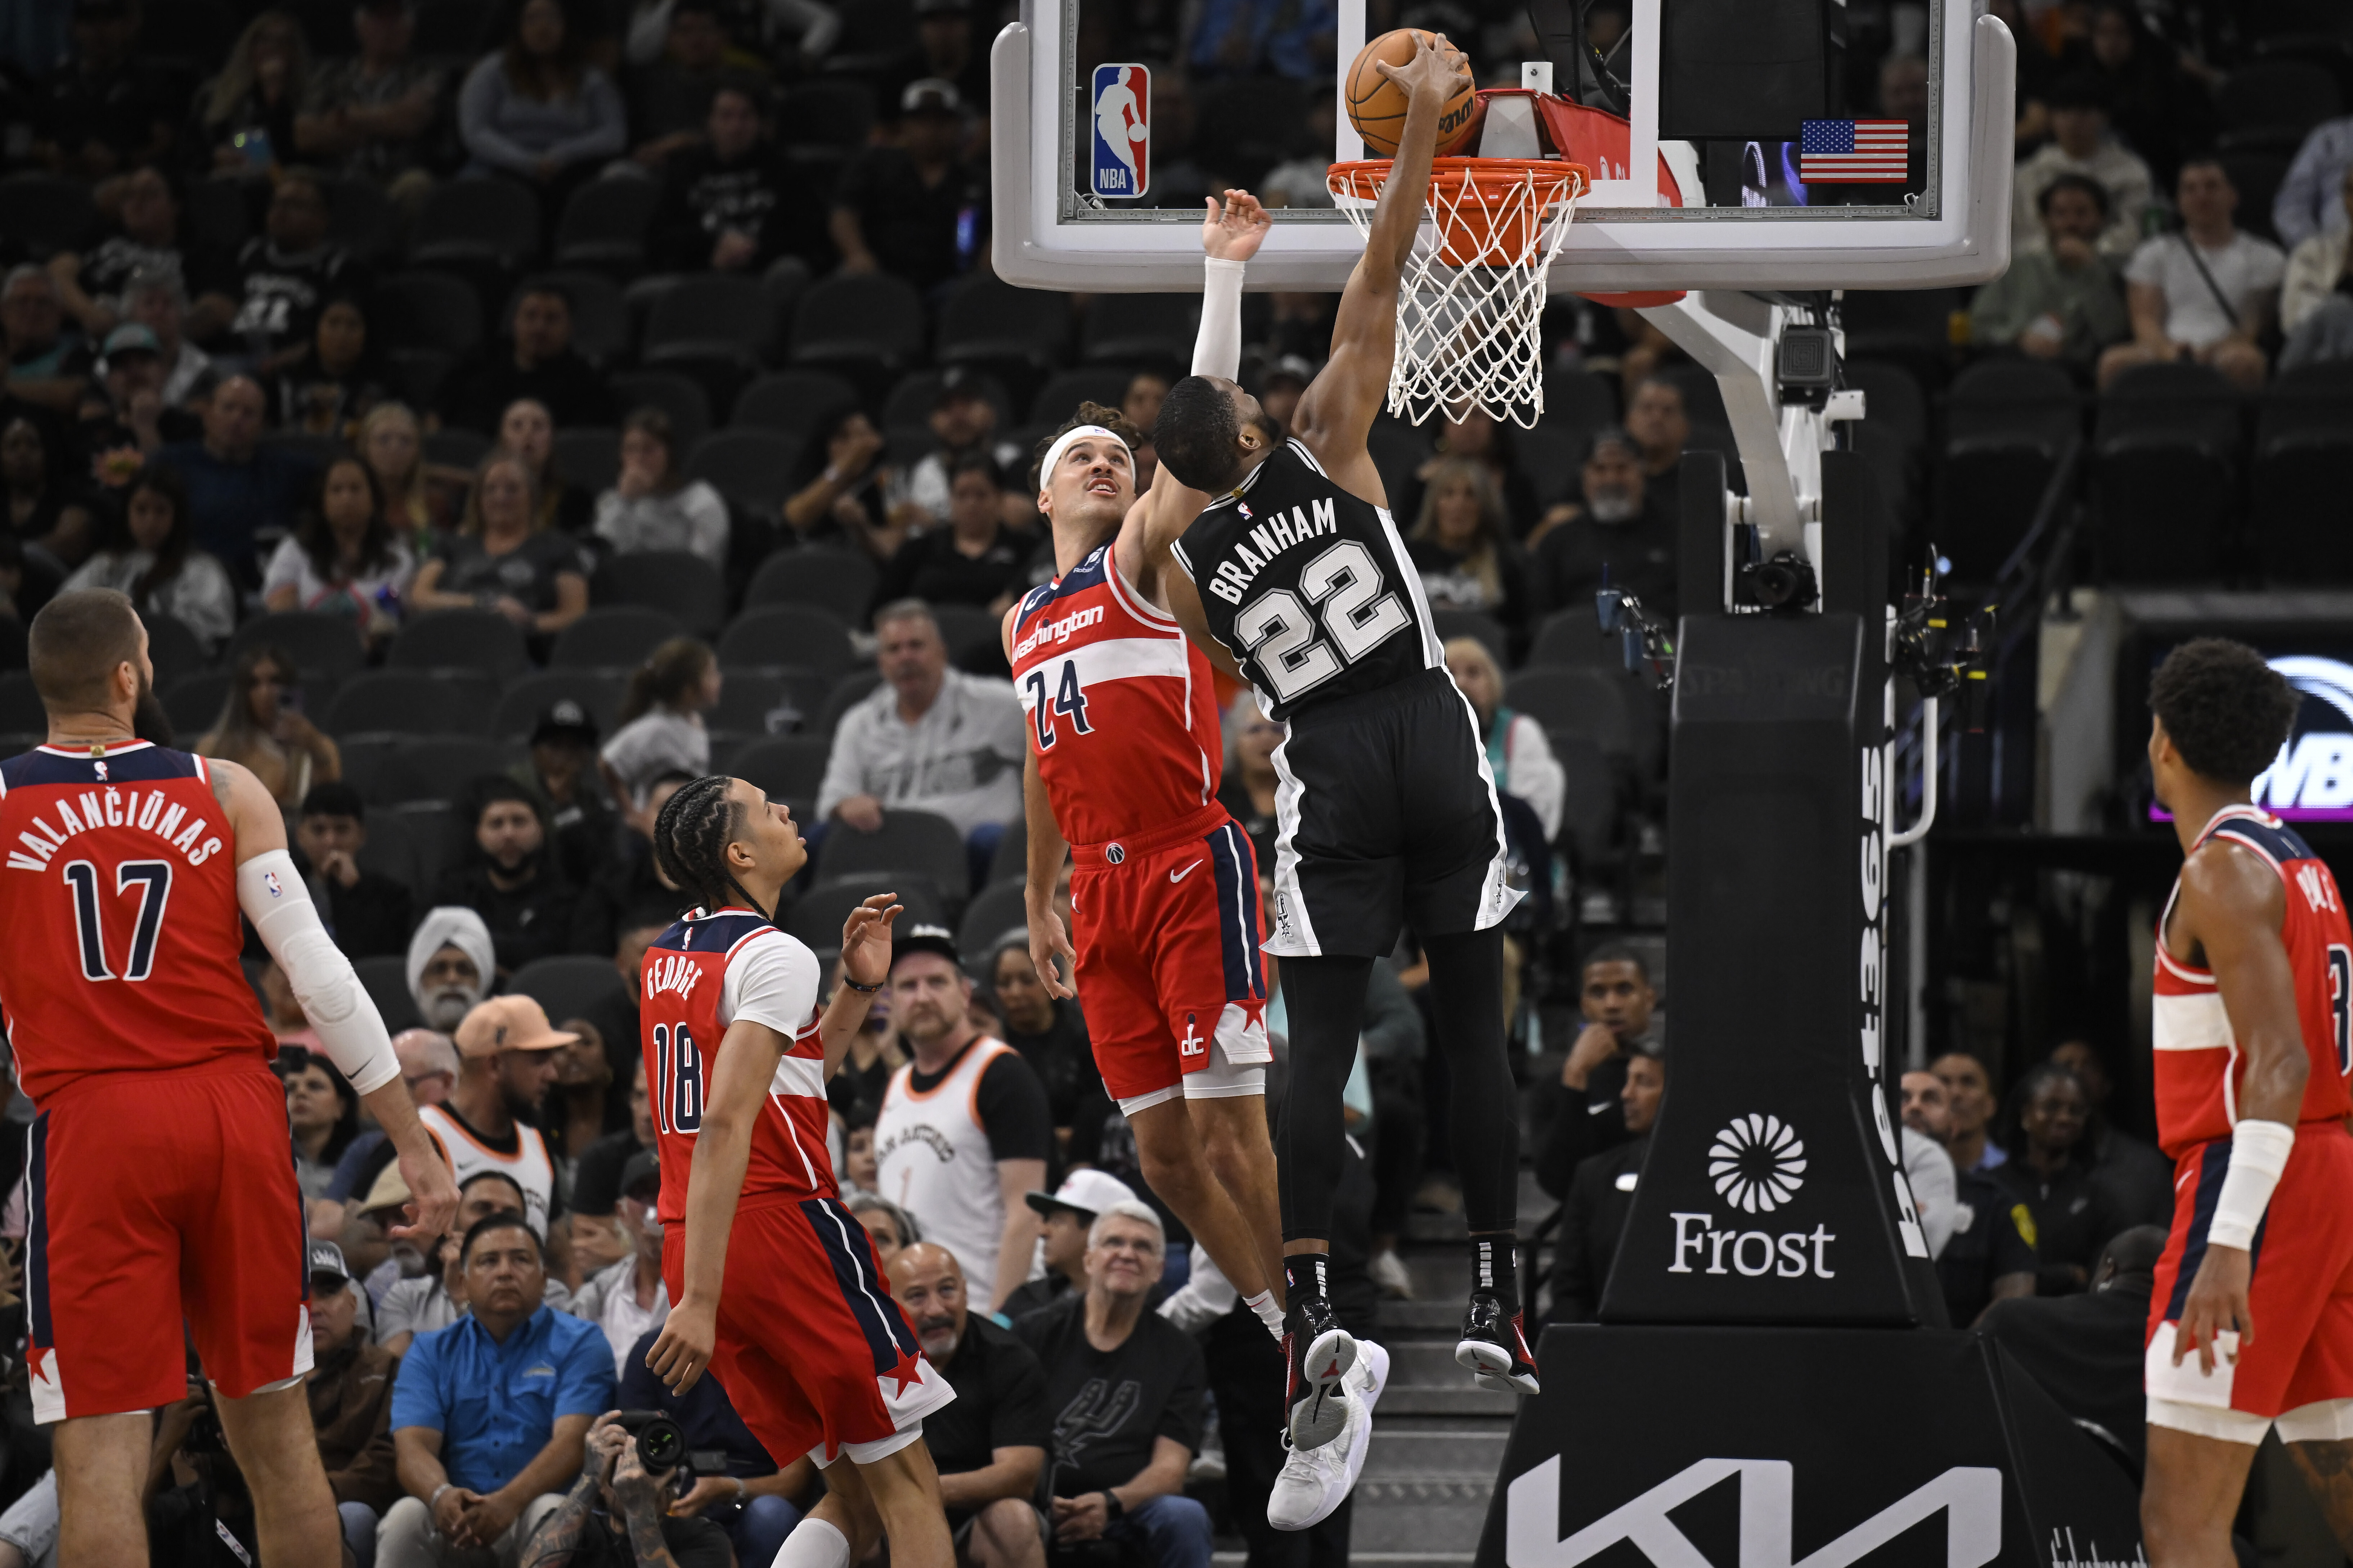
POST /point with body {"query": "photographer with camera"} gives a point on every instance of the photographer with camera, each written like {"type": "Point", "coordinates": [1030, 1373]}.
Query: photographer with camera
{"type": "Point", "coordinates": [617, 1513]}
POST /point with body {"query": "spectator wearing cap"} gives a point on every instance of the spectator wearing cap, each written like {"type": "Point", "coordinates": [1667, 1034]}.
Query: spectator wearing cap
{"type": "Point", "coordinates": [134, 413]}
{"type": "Point", "coordinates": [367, 911]}
{"type": "Point", "coordinates": [489, 1414]}
{"type": "Point", "coordinates": [627, 1300]}
{"type": "Point", "coordinates": [350, 1388]}
{"type": "Point", "coordinates": [506, 1051]}
{"type": "Point", "coordinates": [1124, 1386]}
{"type": "Point", "coordinates": [563, 768]}
{"type": "Point", "coordinates": [946, 49]}
{"type": "Point", "coordinates": [157, 298]}
{"type": "Point", "coordinates": [731, 200]}
{"type": "Point", "coordinates": [915, 210]}
{"type": "Point", "coordinates": [1617, 526]}
{"type": "Point", "coordinates": [450, 965]}
{"type": "Point", "coordinates": [509, 874]}
{"type": "Point", "coordinates": [371, 116]}
{"type": "Point", "coordinates": [752, 1502]}
{"type": "Point", "coordinates": [976, 559]}
{"type": "Point", "coordinates": [2207, 293]}
{"type": "Point", "coordinates": [2081, 144]}
{"type": "Point", "coordinates": [963, 1131]}
{"type": "Point", "coordinates": [989, 1447]}
{"type": "Point", "coordinates": [928, 739]}
{"type": "Point", "coordinates": [964, 424]}
{"type": "Point", "coordinates": [2062, 301]}
{"type": "Point", "coordinates": [534, 361]}
{"type": "Point", "coordinates": [1064, 1216]}
{"type": "Point", "coordinates": [436, 1295]}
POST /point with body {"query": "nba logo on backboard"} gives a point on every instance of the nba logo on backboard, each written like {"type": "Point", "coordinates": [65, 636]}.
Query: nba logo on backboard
{"type": "Point", "coordinates": [1123, 139]}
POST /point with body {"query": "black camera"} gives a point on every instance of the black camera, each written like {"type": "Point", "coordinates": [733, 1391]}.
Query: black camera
{"type": "Point", "coordinates": [1785, 581]}
{"type": "Point", "coordinates": [661, 1443]}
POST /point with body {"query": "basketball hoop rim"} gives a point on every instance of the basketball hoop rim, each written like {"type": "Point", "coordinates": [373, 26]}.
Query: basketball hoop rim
{"type": "Point", "coordinates": [1359, 179]}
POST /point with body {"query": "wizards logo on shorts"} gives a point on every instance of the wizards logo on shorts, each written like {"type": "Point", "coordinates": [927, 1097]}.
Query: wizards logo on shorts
{"type": "Point", "coordinates": [1121, 164]}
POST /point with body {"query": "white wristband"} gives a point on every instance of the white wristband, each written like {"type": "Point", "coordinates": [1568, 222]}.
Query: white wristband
{"type": "Point", "coordinates": [2259, 1152]}
{"type": "Point", "coordinates": [1217, 348]}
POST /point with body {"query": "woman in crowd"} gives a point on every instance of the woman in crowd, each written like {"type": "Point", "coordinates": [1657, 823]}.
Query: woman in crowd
{"type": "Point", "coordinates": [247, 116]}
{"type": "Point", "coordinates": [840, 498]}
{"type": "Point", "coordinates": [2051, 1173]}
{"type": "Point", "coordinates": [48, 515]}
{"type": "Point", "coordinates": [1248, 789]}
{"type": "Point", "coordinates": [2154, 106]}
{"type": "Point", "coordinates": [652, 505]}
{"type": "Point", "coordinates": [259, 731]}
{"type": "Point", "coordinates": [537, 110]}
{"type": "Point", "coordinates": [147, 550]}
{"type": "Point", "coordinates": [1517, 753]}
{"type": "Point", "coordinates": [338, 382]}
{"type": "Point", "coordinates": [324, 1111]}
{"type": "Point", "coordinates": [890, 1226]}
{"type": "Point", "coordinates": [498, 561]}
{"type": "Point", "coordinates": [343, 560]}
{"type": "Point", "coordinates": [661, 722]}
{"type": "Point", "coordinates": [1462, 549]}
{"type": "Point", "coordinates": [392, 446]}
{"type": "Point", "coordinates": [526, 430]}
{"type": "Point", "coordinates": [975, 559]}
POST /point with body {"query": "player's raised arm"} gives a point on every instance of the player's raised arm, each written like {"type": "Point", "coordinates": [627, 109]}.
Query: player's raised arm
{"type": "Point", "coordinates": [1338, 406]}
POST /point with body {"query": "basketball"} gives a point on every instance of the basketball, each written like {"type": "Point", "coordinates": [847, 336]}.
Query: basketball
{"type": "Point", "coordinates": [1377, 105]}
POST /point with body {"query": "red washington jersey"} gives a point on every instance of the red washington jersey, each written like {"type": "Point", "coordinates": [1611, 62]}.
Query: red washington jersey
{"type": "Point", "coordinates": [702, 974]}
{"type": "Point", "coordinates": [120, 935]}
{"type": "Point", "coordinates": [2198, 1065]}
{"type": "Point", "coordinates": [1123, 712]}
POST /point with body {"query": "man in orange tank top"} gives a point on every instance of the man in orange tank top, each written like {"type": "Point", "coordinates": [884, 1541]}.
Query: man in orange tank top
{"type": "Point", "coordinates": [2251, 1319]}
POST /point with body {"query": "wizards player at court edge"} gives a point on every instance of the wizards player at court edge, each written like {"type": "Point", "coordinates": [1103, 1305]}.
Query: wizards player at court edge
{"type": "Point", "coordinates": [778, 1288]}
{"type": "Point", "coordinates": [2251, 1321]}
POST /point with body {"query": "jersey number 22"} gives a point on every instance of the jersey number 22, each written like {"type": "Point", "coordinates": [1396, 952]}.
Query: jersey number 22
{"type": "Point", "coordinates": [1276, 627]}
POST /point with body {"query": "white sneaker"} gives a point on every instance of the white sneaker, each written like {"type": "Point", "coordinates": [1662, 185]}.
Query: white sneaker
{"type": "Point", "coordinates": [1371, 1375]}
{"type": "Point", "coordinates": [1388, 1272]}
{"type": "Point", "coordinates": [1319, 1414]}
{"type": "Point", "coordinates": [1315, 1481]}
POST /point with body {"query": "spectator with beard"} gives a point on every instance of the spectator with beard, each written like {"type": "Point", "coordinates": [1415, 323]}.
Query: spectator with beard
{"type": "Point", "coordinates": [736, 203]}
{"type": "Point", "coordinates": [450, 965]}
{"type": "Point", "coordinates": [94, 285]}
{"type": "Point", "coordinates": [1051, 1034]}
{"type": "Point", "coordinates": [563, 766]}
{"type": "Point", "coordinates": [535, 361]}
{"type": "Point", "coordinates": [131, 419]}
{"type": "Point", "coordinates": [1065, 1216]}
{"type": "Point", "coordinates": [914, 209]}
{"type": "Point", "coordinates": [350, 1389]}
{"type": "Point", "coordinates": [506, 1051]}
{"type": "Point", "coordinates": [581, 1107]}
{"type": "Point", "coordinates": [628, 1298]}
{"type": "Point", "coordinates": [1618, 528]}
{"type": "Point", "coordinates": [509, 876]}
{"type": "Point", "coordinates": [1986, 1258]}
{"type": "Point", "coordinates": [1602, 1196]}
{"type": "Point", "coordinates": [240, 493]}
{"type": "Point", "coordinates": [964, 424]}
{"type": "Point", "coordinates": [260, 731]}
{"type": "Point", "coordinates": [366, 911]}
{"type": "Point", "coordinates": [286, 277]}
{"type": "Point", "coordinates": [990, 1444]}
{"type": "Point", "coordinates": [437, 1295]}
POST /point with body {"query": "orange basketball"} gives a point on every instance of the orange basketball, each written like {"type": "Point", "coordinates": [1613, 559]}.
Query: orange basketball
{"type": "Point", "coordinates": [1377, 105]}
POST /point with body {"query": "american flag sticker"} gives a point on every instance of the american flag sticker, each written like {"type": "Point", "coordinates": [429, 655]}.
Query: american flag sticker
{"type": "Point", "coordinates": [1852, 152]}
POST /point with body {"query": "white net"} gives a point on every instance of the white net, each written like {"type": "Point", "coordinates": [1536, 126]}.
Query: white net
{"type": "Point", "coordinates": [1473, 292]}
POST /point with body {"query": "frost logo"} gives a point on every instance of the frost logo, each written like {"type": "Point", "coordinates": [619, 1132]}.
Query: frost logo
{"type": "Point", "coordinates": [1758, 1163]}
{"type": "Point", "coordinates": [1969, 1496]}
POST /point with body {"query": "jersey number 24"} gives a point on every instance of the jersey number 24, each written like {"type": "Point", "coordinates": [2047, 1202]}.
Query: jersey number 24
{"type": "Point", "coordinates": [1276, 627]}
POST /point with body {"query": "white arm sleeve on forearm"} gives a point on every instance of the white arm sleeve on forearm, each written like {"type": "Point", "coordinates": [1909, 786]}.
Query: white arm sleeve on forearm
{"type": "Point", "coordinates": [2259, 1152]}
{"type": "Point", "coordinates": [274, 898]}
{"type": "Point", "coordinates": [1218, 350]}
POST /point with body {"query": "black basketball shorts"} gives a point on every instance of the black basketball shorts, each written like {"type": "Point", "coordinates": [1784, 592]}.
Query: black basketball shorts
{"type": "Point", "coordinates": [1384, 816]}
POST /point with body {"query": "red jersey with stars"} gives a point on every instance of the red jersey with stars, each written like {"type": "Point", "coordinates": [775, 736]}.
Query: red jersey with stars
{"type": "Point", "coordinates": [704, 972]}
{"type": "Point", "coordinates": [2198, 1061]}
{"type": "Point", "coordinates": [119, 941]}
{"type": "Point", "coordinates": [1123, 709]}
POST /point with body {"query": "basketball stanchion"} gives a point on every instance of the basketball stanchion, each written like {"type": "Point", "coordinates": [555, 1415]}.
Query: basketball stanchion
{"type": "Point", "coordinates": [1472, 295]}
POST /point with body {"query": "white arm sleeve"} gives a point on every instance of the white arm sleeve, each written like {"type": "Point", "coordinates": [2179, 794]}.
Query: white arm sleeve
{"type": "Point", "coordinates": [274, 898]}
{"type": "Point", "coordinates": [1218, 349]}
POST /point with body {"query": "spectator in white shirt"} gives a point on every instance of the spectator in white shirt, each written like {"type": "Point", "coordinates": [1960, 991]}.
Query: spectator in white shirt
{"type": "Point", "coordinates": [2317, 267]}
{"type": "Point", "coordinates": [652, 505]}
{"type": "Point", "coordinates": [2206, 293]}
{"type": "Point", "coordinates": [2081, 144]}
{"type": "Point", "coordinates": [2305, 204]}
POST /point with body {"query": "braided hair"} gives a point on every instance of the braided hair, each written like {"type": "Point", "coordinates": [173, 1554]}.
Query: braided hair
{"type": "Point", "coordinates": [691, 840]}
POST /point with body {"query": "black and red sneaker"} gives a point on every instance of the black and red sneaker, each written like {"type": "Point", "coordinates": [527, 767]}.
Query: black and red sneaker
{"type": "Point", "coordinates": [1494, 1347]}
{"type": "Point", "coordinates": [1320, 1354]}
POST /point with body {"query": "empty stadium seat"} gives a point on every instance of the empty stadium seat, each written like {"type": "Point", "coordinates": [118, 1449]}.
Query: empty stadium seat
{"type": "Point", "coordinates": [454, 449]}
{"type": "Point", "coordinates": [574, 986]}
{"type": "Point", "coordinates": [21, 711]}
{"type": "Point", "coordinates": [2256, 173]}
{"type": "Point", "coordinates": [386, 980]}
{"type": "Point", "coordinates": [1452, 624]}
{"type": "Point", "coordinates": [2007, 424]}
{"type": "Point", "coordinates": [675, 582]}
{"type": "Point", "coordinates": [414, 767]}
{"type": "Point", "coordinates": [433, 834]}
{"type": "Point", "coordinates": [784, 765]}
{"type": "Point", "coordinates": [680, 397]}
{"type": "Point", "coordinates": [361, 217]}
{"type": "Point", "coordinates": [480, 640]}
{"type": "Point", "coordinates": [966, 628]}
{"type": "Point", "coordinates": [2165, 466]}
{"type": "Point", "coordinates": [788, 635]}
{"type": "Point", "coordinates": [1589, 798]}
{"type": "Point", "coordinates": [44, 214]}
{"type": "Point", "coordinates": [410, 702]}
{"type": "Point", "coordinates": [715, 327]}
{"type": "Point", "coordinates": [757, 703]}
{"type": "Point", "coordinates": [988, 321]}
{"type": "Point", "coordinates": [756, 469]}
{"type": "Point", "coordinates": [1909, 327]}
{"type": "Point", "coordinates": [908, 840]}
{"type": "Point", "coordinates": [846, 693]}
{"type": "Point", "coordinates": [912, 400]}
{"type": "Point", "coordinates": [521, 705]}
{"type": "Point", "coordinates": [471, 221]}
{"type": "Point", "coordinates": [1578, 399]}
{"type": "Point", "coordinates": [612, 636]}
{"type": "Point", "coordinates": [324, 647]}
{"type": "Point", "coordinates": [833, 579]}
{"type": "Point", "coordinates": [864, 323]}
{"type": "Point", "coordinates": [1064, 391]}
{"type": "Point", "coordinates": [2271, 103]}
{"type": "Point", "coordinates": [1579, 700]}
{"type": "Point", "coordinates": [427, 309]}
{"type": "Point", "coordinates": [822, 122]}
{"type": "Point", "coordinates": [586, 457]}
{"type": "Point", "coordinates": [995, 912]}
{"type": "Point", "coordinates": [605, 225]}
{"type": "Point", "coordinates": [1573, 638]}
{"type": "Point", "coordinates": [172, 648]}
{"type": "Point", "coordinates": [817, 916]}
{"type": "Point", "coordinates": [194, 702]}
{"type": "Point", "coordinates": [390, 851]}
{"type": "Point", "coordinates": [2302, 517]}
{"type": "Point", "coordinates": [1124, 329]}
{"type": "Point", "coordinates": [792, 401]}
{"type": "Point", "coordinates": [1892, 399]}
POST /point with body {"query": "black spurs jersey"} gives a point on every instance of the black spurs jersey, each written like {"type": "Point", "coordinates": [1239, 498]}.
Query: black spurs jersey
{"type": "Point", "coordinates": [1308, 586]}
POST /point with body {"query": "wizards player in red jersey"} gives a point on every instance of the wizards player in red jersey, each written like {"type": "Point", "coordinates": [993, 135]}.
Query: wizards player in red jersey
{"type": "Point", "coordinates": [158, 1187]}
{"type": "Point", "coordinates": [2251, 1321]}
{"type": "Point", "coordinates": [778, 1290]}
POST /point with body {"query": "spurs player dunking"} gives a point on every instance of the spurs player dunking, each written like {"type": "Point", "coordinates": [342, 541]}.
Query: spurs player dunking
{"type": "Point", "coordinates": [2251, 1319]}
{"type": "Point", "coordinates": [1295, 577]}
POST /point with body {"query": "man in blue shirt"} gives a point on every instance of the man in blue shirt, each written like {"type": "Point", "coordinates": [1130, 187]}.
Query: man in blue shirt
{"type": "Point", "coordinates": [489, 1414]}
{"type": "Point", "coordinates": [242, 496]}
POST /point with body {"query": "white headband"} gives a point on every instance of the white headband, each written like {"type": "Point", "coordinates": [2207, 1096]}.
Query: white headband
{"type": "Point", "coordinates": [1054, 453]}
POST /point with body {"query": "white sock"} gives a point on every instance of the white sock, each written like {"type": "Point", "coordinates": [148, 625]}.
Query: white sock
{"type": "Point", "coordinates": [1268, 1312]}
{"type": "Point", "coordinates": [813, 1543]}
